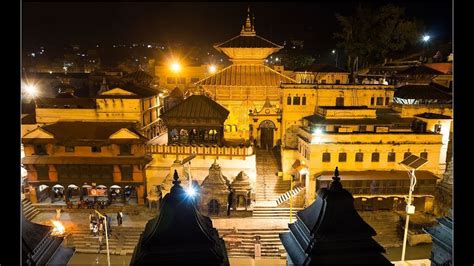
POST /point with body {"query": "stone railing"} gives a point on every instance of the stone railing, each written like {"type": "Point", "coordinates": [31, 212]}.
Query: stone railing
{"type": "Point", "coordinates": [200, 150]}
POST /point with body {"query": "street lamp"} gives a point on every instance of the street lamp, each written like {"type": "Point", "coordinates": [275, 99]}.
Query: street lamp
{"type": "Point", "coordinates": [30, 89]}
{"type": "Point", "coordinates": [106, 236]}
{"type": "Point", "coordinates": [212, 69]}
{"type": "Point", "coordinates": [175, 67]}
{"type": "Point", "coordinates": [334, 52]}
{"type": "Point", "coordinates": [411, 163]}
{"type": "Point", "coordinates": [426, 38]}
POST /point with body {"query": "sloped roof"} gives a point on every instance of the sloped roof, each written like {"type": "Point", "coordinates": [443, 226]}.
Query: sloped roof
{"type": "Point", "coordinates": [246, 75]}
{"type": "Point", "coordinates": [325, 68]}
{"type": "Point", "coordinates": [420, 70]}
{"type": "Point", "coordinates": [422, 92]}
{"type": "Point", "coordinates": [446, 68]}
{"type": "Point", "coordinates": [77, 130]}
{"type": "Point", "coordinates": [86, 103]}
{"type": "Point", "coordinates": [141, 91]}
{"type": "Point", "coordinates": [244, 41]}
{"type": "Point", "coordinates": [197, 106]}
{"type": "Point", "coordinates": [433, 116]}
{"type": "Point", "coordinates": [139, 76]}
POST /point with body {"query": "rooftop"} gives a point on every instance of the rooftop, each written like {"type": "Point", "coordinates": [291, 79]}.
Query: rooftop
{"type": "Point", "coordinates": [197, 106]}
{"type": "Point", "coordinates": [422, 92]}
{"type": "Point", "coordinates": [433, 116]}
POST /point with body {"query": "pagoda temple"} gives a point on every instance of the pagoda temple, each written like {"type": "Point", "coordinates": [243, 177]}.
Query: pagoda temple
{"type": "Point", "coordinates": [330, 231]}
{"type": "Point", "coordinates": [179, 235]}
{"type": "Point", "coordinates": [247, 82]}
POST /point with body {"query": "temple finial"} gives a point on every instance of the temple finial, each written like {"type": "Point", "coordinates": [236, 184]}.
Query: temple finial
{"type": "Point", "coordinates": [248, 29]}
{"type": "Point", "coordinates": [176, 178]}
{"type": "Point", "coordinates": [336, 184]}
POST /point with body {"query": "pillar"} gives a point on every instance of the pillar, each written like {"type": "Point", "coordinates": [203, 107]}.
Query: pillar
{"type": "Point", "coordinates": [33, 195]}
{"type": "Point", "coordinates": [140, 194]}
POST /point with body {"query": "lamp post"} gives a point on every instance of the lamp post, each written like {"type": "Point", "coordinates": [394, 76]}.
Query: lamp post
{"type": "Point", "coordinates": [106, 236]}
{"type": "Point", "coordinates": [411, 163]}
{"type": "Point", "coordinates": [426, 38]}
{"type": "Point", "coordinates": [334, 52]}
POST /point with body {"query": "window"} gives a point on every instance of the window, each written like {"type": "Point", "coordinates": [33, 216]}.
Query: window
{"type": "Point", "coordinates": [42, 172]}
{"type": "Point", "coordinates": [326, 157]}
{"type": "Point", "coordinates": [181, 80]}
{"type": "Point", "coordinates": [387, 100]}
{"type": "Point", "coordinates": [303, 100]}
{"type": "Point", "coordinates": [125, 149]}
{"type": "Point", "coordinates": [296, 100]}
{"type": "Point", "coordinates": [406, 154]}
{"type": "Point", "coordinates": [127, 172]}
{"type": "Point", "coordinates": [379, 100]}
{"type": "Point", "coordinates": [95, 149]}
{"type": "Point", "coordinates": [437, 128]}
{"type": "Point", "coordinates": [391, 157]}
{"type": "Point", "coordinates": [339, 101]}
{"type": "Point", "coordinates": [338, 81]}
{"type": "Point", "coordinates": [288, 100]}
{"type": "Point", "coordinates": [359, 157]}
{"type": "Point", "coordinates": [171, 80]}
{"type": "Point", "coordinates": [342, 157]}
{"type": "Point", "coordinates": [424, 155]}
{"type": "Point", "coordinates": [40, 150]}
{"type": "Point", "coordinates": [194, 80]}
{"type": "Point", "coordinates": [69, 148]}
{"type": "Point", "coordinates": [323, 81]}
{"type": "Point", "coordinates": [362, 128]}
{"type": "Point", "coordinates": [372, 101]}
{"type": "Point", "coordinates": [375, 157]}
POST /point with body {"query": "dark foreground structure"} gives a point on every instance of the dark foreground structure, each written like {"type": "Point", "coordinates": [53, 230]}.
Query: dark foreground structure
{"type": "Point", "coordinates": [39, 247]}
{"type": "Point", "coordinates": [442, 234]}
{"type": "Point", "coordinates": [180, 235]}
{"type": "Point", "coordinates": [331, 232]}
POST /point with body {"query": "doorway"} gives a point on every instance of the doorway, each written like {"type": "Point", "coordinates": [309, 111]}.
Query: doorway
{"type": "Point", "coordinates": [267, 129]}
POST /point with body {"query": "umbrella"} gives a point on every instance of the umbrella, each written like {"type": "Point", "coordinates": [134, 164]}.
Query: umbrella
{"type": "Point", "coordinates": [88, 186]}
{"type": "Point", "coordinates": [101, 187]}
{"type": "Point", "coordinates": [55, 186]}
{"type": "Point", "coordinates": [115, 186]}
{"type": "Point", "coordinates": [72, 186]}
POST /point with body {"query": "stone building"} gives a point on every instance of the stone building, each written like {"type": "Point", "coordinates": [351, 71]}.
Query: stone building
{"type": "Point", "coordinates": [71, 160]}
{"type": "Point", "coordinates": [215, 191]}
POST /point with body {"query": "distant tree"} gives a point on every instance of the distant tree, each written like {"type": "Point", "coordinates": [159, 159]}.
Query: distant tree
{"type": "Point", "coordinates": [370, 35]}
{"type": "Point", "coordinates": [294, 61]}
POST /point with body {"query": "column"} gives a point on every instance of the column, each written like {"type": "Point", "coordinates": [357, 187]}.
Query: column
{"type": "Point", "coordinates": [140, 194]}
{"type": "Point", "coordinates": [33, 195]}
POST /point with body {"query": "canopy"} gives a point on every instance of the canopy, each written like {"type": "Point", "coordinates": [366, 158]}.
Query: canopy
{"type": "Point", "coordinates": [72, 186]}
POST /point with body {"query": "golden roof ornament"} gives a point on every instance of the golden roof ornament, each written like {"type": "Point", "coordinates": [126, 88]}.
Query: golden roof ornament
{"type": "Point", "coordinates": [248, 29]}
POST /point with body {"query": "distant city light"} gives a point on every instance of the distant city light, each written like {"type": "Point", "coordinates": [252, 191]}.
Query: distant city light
{"type": "Point", "coordinates": [333, 51]}
{"type": "Point", "coordinates": [175, 67]}
{"type": "Point", "coordinates": [276, 59]}
{"type": "Point", "coordinates": [149, 46]}
{"type": "Point", "coordinates": [212, 69]}
{"type": "Point", "coordinates": [33, 54]}
{"type": "Point", "coordinates": [426, 38]}
{"type": "Point", "coordinates": [50, 72]}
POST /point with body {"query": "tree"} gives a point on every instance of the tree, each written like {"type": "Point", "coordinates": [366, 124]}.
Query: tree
{"type": "Point", "coordinates": [373, 34]}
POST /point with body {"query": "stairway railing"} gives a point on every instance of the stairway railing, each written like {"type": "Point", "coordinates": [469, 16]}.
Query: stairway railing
{"type": "Point", "coordinates": [289, 194]}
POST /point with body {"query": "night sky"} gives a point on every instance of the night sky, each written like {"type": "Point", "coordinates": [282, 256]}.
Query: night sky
{"type": "Point", "coordinates": [203, 23]}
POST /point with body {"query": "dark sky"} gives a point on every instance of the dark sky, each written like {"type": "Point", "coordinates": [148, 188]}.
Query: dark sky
{"type": "Point", "coordinates": [203, 23]}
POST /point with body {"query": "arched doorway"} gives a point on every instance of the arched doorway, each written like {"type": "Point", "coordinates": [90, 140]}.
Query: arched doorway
{"type": "Point", "coordinates": [213, 207]}
{"type": "Point", "coordinates": [267, 129]}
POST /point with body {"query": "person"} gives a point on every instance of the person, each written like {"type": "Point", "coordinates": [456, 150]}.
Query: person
{"type": "Point", "coordinates": [90, 217]}
{"type": "Point", "coordinates": [119, 218]}
{"type": "Point", "coordinates": [230, 200]}
{"type": "Point", "coordinates": [100, 243]}
{"type": "Point", "coordinates": [95, 230]}
{"type": "Point", "coordinates": [91, 227]}
{"type": "Point", "coordinates": [258, 247]}
{"type": "Point", "coordinates": [109, 228]}
{"type": "Point", "coordinates": [58, 214]}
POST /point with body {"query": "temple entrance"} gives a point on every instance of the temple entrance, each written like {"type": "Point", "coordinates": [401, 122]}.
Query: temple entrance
{"type": "Point", "coordinates": [267, 129]}
{"type": "Point", "coordinates": [213, 207]}
{"type": "Point", "coordinates": [241, 201]}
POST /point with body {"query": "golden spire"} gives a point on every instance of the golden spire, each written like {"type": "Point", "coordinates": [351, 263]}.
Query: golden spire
{"type": "Point", "coordinates": [248, 29]}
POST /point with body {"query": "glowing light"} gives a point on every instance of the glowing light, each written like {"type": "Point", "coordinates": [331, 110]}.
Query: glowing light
{"type": "Point", "coordinates": [318, 131]}
{"type": "Point", "coordinates": [191, 192]}
{"type": "Point", "coordinates": [333, 51]}
{"type": "Point", "coordinates": [58, 229]}
{"type": "Point", "coordinates": [175, 67]}
{"type": "Point", "coordinates": [276, 59]}
{"type": "Point", "coordinates": [50, 72]}
{"type": "Point", "coordinates": [426, 38]}
{"type": "Point", "coordinates": [31, 90]}
{"type": "Point", "coordinates": [212, 69]}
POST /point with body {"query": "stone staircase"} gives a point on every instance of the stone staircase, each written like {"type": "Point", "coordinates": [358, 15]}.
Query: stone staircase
{"type": "Point", "coordinates": [386, 224]}
{"type": "Point", "coordinates": [274, 212]}
{"type": "Point", "coordinates": [121, 242]}
{"type": "Point", "coordinates": [28, 209]}
{"type": "Point", "coordinates": [242, 242]}
{"type": "Point", "coordinates": [269, 185]}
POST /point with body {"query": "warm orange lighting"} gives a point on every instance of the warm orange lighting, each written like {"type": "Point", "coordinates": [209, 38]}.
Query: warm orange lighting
{"type": "Point", "coordinates": [58, 229]}
{"type": "Point", "coordinates": [175, 67]}
{"type": "Point", "coordinates": [212, 69]}
{"type": "Point", "coordinates": [30, 89]}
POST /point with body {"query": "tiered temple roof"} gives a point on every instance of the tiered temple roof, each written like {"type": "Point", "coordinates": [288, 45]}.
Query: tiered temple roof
{"type": "Point", "coordinates": [179, 235]}
{"type": "Point", "coordinates": [330, 231]}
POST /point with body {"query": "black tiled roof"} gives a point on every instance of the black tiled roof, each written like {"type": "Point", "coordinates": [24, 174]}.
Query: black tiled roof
{"type": "Point", "coordinates": [86, 103]}
{"type": "Point", "coordinates": [322, 68]}
{"type": "Point", "coordinates": [420, 70]}
{"type": "Point", "coordinates": [422, 92]}
{"type": "Point", "coordinates": [242, 41]}
{"type": "Point", "coordinates": [197, 106]}
{"type": "Point", "coordinates": [433, 116]}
